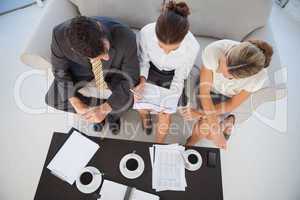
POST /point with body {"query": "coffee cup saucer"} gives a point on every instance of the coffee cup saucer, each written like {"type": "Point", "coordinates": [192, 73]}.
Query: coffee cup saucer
{"type": "Point", "coordinates": [192, 166]}
{"type": "Point", "coordinates": [132, 174]}
{"type": "Point", "coordinates": [94, 185]}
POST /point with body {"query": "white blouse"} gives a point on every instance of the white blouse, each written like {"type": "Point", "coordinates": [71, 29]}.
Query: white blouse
{"type": "Point", "coordinates": [229, 87]}
{"type": "Point", "coordinates": [181, 60]}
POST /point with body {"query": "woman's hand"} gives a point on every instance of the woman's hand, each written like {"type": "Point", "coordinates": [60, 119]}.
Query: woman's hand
{"type": "Point", "coordinates": [139, 89]}
{"type": "Point", "coordinates": [215, 130]}
{"type": "Point", "coordinates": [189, 113]}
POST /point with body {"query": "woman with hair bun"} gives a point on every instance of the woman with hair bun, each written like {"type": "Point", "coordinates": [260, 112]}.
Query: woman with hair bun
{"type": "Point", "coordinates": [167, 52]}
{"type": "Point", "coordinates": [231, 71]}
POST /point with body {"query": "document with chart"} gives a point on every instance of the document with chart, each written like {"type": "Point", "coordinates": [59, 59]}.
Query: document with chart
{"type": "Point", "coordinates": [168, 170]}
{"type": "Point", "coordinates": [158, 99]}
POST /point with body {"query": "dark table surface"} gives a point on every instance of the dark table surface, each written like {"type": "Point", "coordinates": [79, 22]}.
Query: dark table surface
{"type": "Point", "coordinates": [204, 184]}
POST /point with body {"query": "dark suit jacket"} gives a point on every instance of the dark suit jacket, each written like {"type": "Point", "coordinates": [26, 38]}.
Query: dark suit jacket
{"type": "Point", "coordinates": [72, 71]}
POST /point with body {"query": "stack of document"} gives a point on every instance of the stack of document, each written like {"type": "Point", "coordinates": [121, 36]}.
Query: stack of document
{"type": "Point", "coordinates": [72, 157]}
{"type": "Point", "coordinates": [168, 169]}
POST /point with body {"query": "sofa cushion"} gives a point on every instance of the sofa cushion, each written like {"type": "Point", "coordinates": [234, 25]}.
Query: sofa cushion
{"type": "Point", "coordinates": [225, 19]}
{"type": "Point", "coordinates": [232, 19]}
{"type": "Point", "coordinates": [136, 13]}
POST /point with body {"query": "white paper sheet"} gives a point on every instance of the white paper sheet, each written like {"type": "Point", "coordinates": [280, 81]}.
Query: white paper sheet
{"type": "Point", "coordinates": [115, 191]}
{"type": "Point", "coordinates": [158, 99]}
{"type": "Point", "coordinates": [72, 157]}
{"type": "Point", "coordinates": [91, 90]}
{"type": "Point", "coordinates": [151, 149]}
{"type": "Point", "coordinates": [168, 167]}
{"type": "Point", "coordinates": [112, 190]}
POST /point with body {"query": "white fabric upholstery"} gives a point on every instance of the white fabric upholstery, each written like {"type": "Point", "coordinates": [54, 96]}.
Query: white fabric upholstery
{"type": "Point", "coordinates": [37, 52]}
{"type": "Point", "coordinates": [224, 19]}
{"type": "Point", "coordinates": [232, 19]}
{"type": "Point", "coordinates": [136, 13]}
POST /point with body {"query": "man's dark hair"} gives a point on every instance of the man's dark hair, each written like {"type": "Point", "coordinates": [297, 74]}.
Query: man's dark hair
{"type": "Point", "coordinates": [86, 37]}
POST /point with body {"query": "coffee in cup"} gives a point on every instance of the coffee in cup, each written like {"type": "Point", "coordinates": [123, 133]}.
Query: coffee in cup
{"type": "Point", "coordinates": [193, 159]}
{"type": "Point", "coordinates": [86, 178]}
{"type": "Point", "coordinates": [132, 164]}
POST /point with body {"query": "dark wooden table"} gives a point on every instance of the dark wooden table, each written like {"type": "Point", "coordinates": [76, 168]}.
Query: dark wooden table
{"type": "Point", "coordinates": [204, 184]}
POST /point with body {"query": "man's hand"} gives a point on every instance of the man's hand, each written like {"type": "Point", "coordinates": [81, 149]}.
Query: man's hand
{"type": "Point", "coordinates": [189, 113]}
{"type": "Point", "coordinates": [97, 114]}
{"type": "Point", "coordinates": [78, 105]}
{"type": "Point", "coordinates": [139, 89]}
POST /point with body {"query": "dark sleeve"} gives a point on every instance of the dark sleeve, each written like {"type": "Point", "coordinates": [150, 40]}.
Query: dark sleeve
{"type": "Point", "coordinates": [60, 69]}
{"type": "Point", "coordinates": [122, 98]}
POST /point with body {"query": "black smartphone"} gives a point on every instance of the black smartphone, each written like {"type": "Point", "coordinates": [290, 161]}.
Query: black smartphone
{"type": "Point", "coordinates": [211, 159]}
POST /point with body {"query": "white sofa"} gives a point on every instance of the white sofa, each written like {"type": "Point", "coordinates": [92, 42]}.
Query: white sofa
{"type": "Point", "coordinates": [210, 20]}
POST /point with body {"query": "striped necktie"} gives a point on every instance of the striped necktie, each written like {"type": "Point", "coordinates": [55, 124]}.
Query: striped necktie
{"type": "Point", "coordinates": [98, 73]}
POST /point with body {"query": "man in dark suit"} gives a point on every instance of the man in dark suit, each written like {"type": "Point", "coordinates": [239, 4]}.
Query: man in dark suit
{"type": "Point", "coordinates": [100, 49]}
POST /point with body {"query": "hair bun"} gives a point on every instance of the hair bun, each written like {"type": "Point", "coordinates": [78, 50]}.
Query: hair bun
{"type": "Point", "coordinates": [180, 8]}
{"type": "Point", "coordinates": [266, 48]}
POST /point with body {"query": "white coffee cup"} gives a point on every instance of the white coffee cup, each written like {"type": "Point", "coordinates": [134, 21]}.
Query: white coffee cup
{"type": "Point", "coordinates": [89, 180]}
{"type": "Point", "coordinates": [193, 160]}
{"type": "Point", "coordinates": [132, 166]}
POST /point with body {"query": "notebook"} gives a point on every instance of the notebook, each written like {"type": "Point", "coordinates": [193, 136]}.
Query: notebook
{"type": "Point", "coordinates": [112, 190]}
{"type": "Point", "coordinates": [72, 157]}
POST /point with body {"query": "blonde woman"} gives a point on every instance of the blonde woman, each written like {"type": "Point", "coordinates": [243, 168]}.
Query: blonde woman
{"type": "Point", "coordinates": [231, 71]}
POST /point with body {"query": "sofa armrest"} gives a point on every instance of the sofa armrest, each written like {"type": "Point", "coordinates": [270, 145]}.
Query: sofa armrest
{"type": "Point", "coordinates": [37, 51]}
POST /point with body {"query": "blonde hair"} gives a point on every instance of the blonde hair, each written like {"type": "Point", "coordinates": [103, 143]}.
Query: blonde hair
{"type": "Point", "coordinates": [249, 57]}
